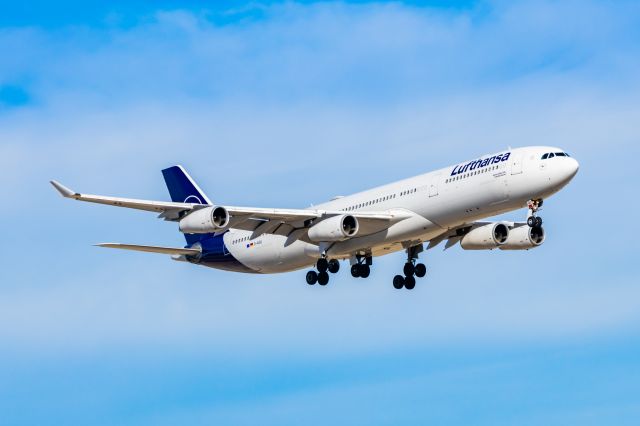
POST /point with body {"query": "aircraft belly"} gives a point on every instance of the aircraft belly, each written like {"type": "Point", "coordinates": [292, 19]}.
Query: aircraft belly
{"type": "Point", "coordinates": [296, 255]}
{"type": "Point", "coordinates": [268, 254]}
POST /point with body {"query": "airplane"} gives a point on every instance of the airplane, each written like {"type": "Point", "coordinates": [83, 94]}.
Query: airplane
{"type": "Point", "coordinates": [450, 204]}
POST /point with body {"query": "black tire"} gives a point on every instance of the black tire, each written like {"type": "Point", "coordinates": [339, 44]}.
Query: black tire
{"type": "Point", "coordinates": [365, 270]}
{"type": "Point", "coordinates": [323, 278]}
{"type": "Point", "coordinates": [531, 221]}
{"type": "Point", "coordinates": [409, 269]}
{"type": "Point", "coordinates": [312, 277]}
{"type": "Point", "coordinates": [409, 282]}
{"type": "Point", "coordinates": [538, 222]}
{"type": "Point", "coordinates": [355, 271]}
{"type": "Point", "coordinates": [322, 265]}
{"type": "Point", "coordinates": [334, 266]}
{"type": "Point", "coordinates": [398, 282]}
{"type": "Point", "coordinates": [421, 270]}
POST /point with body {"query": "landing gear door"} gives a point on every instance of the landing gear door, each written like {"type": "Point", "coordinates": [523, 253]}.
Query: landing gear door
{"type": "Point", "coordinates": [516, 164]}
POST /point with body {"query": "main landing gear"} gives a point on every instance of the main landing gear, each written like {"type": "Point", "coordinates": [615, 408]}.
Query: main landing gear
{"type": "Point", "coordinates": [323, 266]}
{"type": "Point", "coordinates": [361, 269]}
{"type": "Point", "coordinates": [534, 221]}
{"type": "Point", "coordinates": [411, 270]}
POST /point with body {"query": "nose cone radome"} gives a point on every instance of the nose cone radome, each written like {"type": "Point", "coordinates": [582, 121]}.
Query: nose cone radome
{"type": "Point", "coordinates": [572, 167]}
{"type": "Point", "coordinates": [567, 170]}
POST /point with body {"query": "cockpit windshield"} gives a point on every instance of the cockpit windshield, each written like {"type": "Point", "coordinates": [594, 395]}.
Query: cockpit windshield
{"type": "Point", "coordinates": [549, 155]}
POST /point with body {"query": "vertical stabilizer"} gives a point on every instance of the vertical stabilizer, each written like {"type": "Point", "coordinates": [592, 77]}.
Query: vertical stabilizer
{"type": "Point", "coordinates": [183, 189]}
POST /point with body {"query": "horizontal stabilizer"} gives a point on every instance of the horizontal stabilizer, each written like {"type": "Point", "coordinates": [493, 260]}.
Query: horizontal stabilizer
{"type": "Point", "coordinates": [154, 249]}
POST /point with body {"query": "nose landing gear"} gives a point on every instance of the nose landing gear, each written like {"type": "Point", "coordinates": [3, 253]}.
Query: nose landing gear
{"type": "Point", "coordinates": [411, 270]}
{"type": "Point", "coordinates": [533, 220]}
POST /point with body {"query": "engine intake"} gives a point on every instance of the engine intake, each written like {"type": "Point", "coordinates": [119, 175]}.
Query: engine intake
{"type": "Point", "coordinates": [336, 228]}
{"type": "Point", "coordinates": [204, 221]}
{"type": "Point", "coordinates": [486, 237]}
{"type": "Point", "coordinates": [524, 238]}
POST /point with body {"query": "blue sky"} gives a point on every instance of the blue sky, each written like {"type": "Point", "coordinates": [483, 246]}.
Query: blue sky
{"type": "Point", "coordinates": [289, 104]}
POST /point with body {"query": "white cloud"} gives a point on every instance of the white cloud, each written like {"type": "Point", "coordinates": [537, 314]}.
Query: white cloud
{"type": "Point", "coordinates": [342, 97]}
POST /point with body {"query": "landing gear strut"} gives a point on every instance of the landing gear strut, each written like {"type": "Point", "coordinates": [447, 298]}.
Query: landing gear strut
{"type": "Point", "coordinates": [533, 220]}
{"type": "Point", "coordinates": [323, 266]}
{"type": "Point", "coordinates": [411, 270]}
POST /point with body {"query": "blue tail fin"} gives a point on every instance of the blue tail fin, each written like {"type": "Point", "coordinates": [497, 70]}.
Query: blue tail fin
{"type": "Point", "coordinates": [183, 189]}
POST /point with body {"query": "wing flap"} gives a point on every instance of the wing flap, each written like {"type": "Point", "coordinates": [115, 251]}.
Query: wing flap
{"type": "Point", "coordinates": [283, 215]}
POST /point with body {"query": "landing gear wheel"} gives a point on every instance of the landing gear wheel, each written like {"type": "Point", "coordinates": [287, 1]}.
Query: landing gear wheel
{"type": "Point", "coordinates": [398, 282]}
{"type": "Point", "coordinates": [420, 270]}
{"type": "Point", "coordinates": [531, 221]}
{"type": "Point", "coordinates": [334, 266]}
{"type": "Point", "coordinates": [409, 269]}
{"type": "Point", "coordinates": [538, 222]}
{"type": "Point", "coordinates": [323, 278]}
{"type": "Point", "coordinates": [355, 271]}
{"type": "Point", "coordinates": [364, 271]}
{"type": "Point", "coordinates": [409, 282]}
{"type": "Point", "coordinates": [312, 277]}
{"type": "Point", "coordinates": [322, 265]}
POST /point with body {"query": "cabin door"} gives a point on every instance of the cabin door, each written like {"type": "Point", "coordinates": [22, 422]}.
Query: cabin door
{"type": "Point", "coordinates": [516, 164]}
{"type": "Point", "coordinates": [433, 186]}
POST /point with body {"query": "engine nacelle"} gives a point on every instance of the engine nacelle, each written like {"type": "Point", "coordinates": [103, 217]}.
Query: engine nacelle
{"type": "Point", "coordinates": [524, 238]}
{"type": "Point", "coordinates": [485, 237]}
{"type": "Point", "coordinates": [336, 228]}
{"type": "Point", "coordinates": [204, 221]}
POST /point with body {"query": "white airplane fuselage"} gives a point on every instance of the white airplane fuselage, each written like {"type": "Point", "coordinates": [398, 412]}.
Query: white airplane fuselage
{"type": "Point", "coordinates": [437, 201]}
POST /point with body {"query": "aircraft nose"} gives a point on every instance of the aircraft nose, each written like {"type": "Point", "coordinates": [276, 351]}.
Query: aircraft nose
{"type": "Point", "coordinates": [570, 168]}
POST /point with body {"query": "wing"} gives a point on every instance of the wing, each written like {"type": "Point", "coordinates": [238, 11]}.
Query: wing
{"type": "Point", "coordinates": [291, 223]}
{"type": "Point", "coordinates": [154, 249]}
{"type": "Point", "coordinates": [167, 209]}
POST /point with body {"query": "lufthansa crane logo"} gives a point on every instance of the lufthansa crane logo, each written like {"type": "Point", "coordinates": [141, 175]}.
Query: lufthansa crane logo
{"type": "Point", "coordinates": [193, 200]}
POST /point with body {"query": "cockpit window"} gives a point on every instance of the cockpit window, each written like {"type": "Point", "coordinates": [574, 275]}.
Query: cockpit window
{"type": "Point", "coordinates": [554, 154]}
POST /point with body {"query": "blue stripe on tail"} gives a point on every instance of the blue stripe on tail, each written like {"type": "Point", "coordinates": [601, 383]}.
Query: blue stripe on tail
{"type": "Point", "coordinates": [183, 189]}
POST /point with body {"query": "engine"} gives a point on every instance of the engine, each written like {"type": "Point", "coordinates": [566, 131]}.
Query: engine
{"type": "Point", "coordinates": [524, 238]}
{"type": "Point", "coordinates": [486, 237]}
{"type": "Point", "coordinates": [336, 228]}
{"type": "Point", "coordinates": [204, 221]}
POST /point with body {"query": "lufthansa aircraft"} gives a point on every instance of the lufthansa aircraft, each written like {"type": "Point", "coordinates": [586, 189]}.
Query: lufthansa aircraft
{"type": "Point", "coordinates": [449, 204]}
